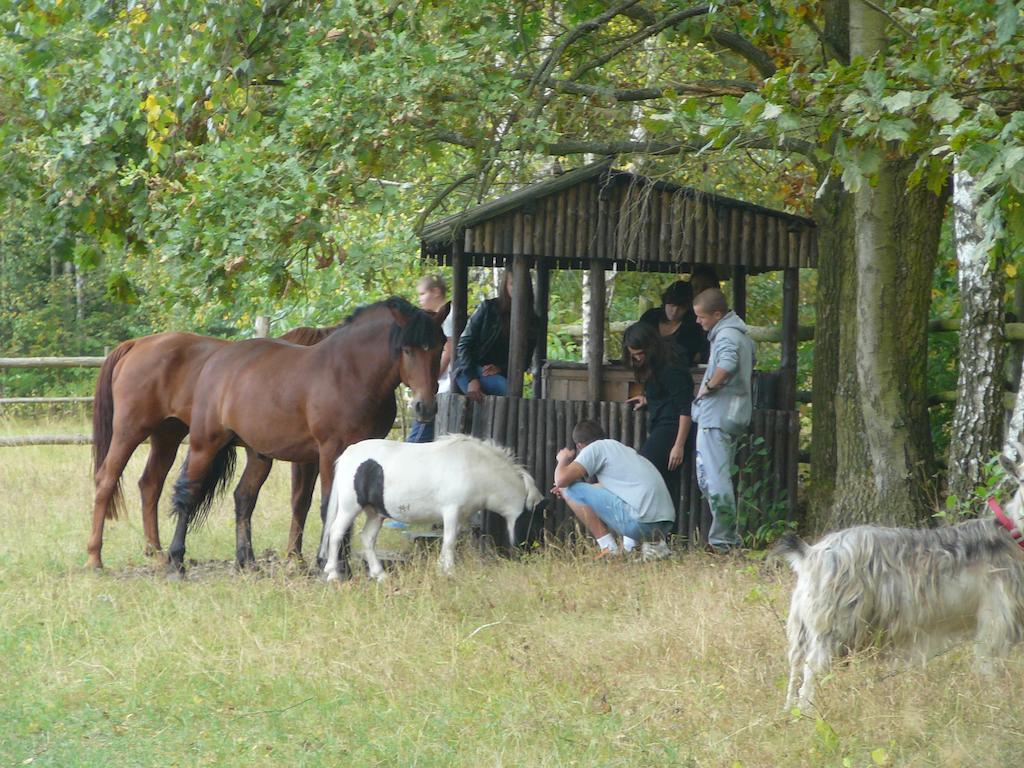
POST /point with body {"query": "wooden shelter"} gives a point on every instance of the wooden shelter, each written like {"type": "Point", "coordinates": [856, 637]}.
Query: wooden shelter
{"type": "Point", "coordinates": [598, 218]}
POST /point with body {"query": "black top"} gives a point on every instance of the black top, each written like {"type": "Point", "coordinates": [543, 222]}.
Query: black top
{"type": "Point", "coordinates": [669, 391]}
{"type": "Point", "coordinates": [689, 338]}
{"type": "Point", "coordinates": [485, 341]}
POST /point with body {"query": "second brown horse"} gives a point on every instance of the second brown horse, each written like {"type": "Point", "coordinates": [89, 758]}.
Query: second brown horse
{"type": "Point", "coordinates": [301, 404]}
{"type": "Point", "coordinates": [144, 391]}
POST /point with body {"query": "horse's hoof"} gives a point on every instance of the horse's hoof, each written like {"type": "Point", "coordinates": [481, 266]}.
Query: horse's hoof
{"type": "Point", "coordinates": [94, 563]}
{"type": "Point", "coordinates": [247, 565]}
{"type": "Point", "coordinates": [175, 571]}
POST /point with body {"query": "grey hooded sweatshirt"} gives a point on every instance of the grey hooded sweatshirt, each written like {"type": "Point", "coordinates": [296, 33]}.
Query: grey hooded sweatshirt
{"type": "Point", "coordinates": [729, 407]}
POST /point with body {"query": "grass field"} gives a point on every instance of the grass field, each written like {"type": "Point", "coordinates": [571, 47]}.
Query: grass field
{"type": "Point", "coordinates": [549, 661]}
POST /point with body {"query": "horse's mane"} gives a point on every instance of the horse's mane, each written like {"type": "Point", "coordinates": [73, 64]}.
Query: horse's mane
{"type": "Point", "coordinates": [490, 447]}
{"type": "Point", "coordinates": [420, 330]}
{"type": "Point", "coordinates": [307, 336]}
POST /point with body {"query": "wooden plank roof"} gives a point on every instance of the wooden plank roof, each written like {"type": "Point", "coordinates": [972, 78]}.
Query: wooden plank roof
{"type": "Point", "coordinates": [631, 221]}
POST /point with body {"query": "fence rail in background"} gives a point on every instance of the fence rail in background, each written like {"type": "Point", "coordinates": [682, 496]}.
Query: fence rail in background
{"type": "Point", "coordinates": [22, 440]}
{"type": "Point", "coordinates": [51, 362]}
{"type": "Point", "coordinates": [43, 400]}
{"type": "Point", "coordinates": [48, 362]}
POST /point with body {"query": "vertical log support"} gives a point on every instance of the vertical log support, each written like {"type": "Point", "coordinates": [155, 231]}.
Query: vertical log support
{"type": "Point", "coordinates": [460, 297]}
{"type": "Point", "coordinates": [787, 361]}
{"type": "Point", "coordinates": [542, 296]}
{"type": "Point", "coordinates": [739, 291]}
{"type": "Point", "coordinates": [519, 325]}
{"type": "Point", "coordinates": [595, 330]}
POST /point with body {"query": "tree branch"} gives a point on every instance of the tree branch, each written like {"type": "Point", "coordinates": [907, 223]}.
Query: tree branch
{"type": "Point", "coordinates": [739, 45]}
{"type": "Point", "coordinates": [585, 146]}
{"type": "Point", "coordinates": [890, 17]}
{"type": "Point", "coordinates": [572, 36]}
{"type": "Point", "coordinates": [422, 218]}
{"type": "Point", "coordinates": [830, 51]}
{"type": "Point", "coordinates": [649, 31]}
{"type": "Point", "coordinates": [698, 88]}
{"type": "Point", "coordinates": [760, 60]}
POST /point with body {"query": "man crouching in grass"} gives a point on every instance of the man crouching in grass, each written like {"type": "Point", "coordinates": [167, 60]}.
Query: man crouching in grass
{"type": "Point", "coordinates": [613, 490]}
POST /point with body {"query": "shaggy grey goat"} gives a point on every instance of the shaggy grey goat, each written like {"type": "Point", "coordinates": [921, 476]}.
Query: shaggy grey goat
{"type": "Point", "coordinates": [913, 590]}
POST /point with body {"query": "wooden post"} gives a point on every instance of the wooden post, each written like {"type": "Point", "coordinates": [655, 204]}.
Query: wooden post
{"type": "Point", "coordinates": [518, 326]}
{"type": "Point", "coordinates": [739, 291]}
{"type": "Point", "coordinates": [460, 298]}
{"type": "Point", "coordinates": [542, 297]}
{"type": "Point", "coordinates": [787, 361]}
{"type": "Point", "coordinates": [595, 330]}
{"type": "Point", "coordinates": [261, 326]}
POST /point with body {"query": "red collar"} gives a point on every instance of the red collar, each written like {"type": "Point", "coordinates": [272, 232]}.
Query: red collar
{"type": "Point", "coordinates": [1004, 521]}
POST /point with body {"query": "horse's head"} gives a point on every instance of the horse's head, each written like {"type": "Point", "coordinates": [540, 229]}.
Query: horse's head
{"type": "Point", "coordinates": [418, 340]}
{"type": "Point", "coordinates": [1014, 466]}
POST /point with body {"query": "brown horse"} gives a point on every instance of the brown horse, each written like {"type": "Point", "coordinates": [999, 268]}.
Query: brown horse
{"type": "Point", "coordinates": [301, 404]}
{"type": "Point", "coordinates": [145, 390]}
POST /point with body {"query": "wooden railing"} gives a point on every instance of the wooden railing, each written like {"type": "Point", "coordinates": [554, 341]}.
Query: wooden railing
{"type": "Point", "coordinates": [46, 362]}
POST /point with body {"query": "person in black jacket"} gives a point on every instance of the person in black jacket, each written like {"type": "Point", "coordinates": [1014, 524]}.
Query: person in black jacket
{"type": "Point", "coordinates": [677, 323]}
{"type": "Point", "coordinates": [481, 359]}
{"type": "Point", "coordinates": [664, 371]}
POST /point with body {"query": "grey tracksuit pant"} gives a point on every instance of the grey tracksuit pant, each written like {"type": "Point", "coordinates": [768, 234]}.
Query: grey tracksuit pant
{"type": "Point", "coordinates": [716, 451]}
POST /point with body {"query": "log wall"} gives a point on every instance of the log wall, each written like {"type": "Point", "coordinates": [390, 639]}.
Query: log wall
{"type": "Point", "coordinates": [537, 429]}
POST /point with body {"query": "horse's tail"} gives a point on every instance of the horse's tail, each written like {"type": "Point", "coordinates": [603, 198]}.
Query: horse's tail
{"type": "Point", "coordinates": [793, 549]}
{"type": "Point", "coordinates": [196, 503]}
{"type": "Point", "coordinates": [103, 422]}
{"type": "Point", "coordinates": [330, 513]}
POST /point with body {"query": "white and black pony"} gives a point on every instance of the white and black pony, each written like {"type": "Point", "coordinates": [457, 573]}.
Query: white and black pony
{"type": "Point", "coordinates": [913, 590]}
{"type": "Point", "coordinates": [446, 480]}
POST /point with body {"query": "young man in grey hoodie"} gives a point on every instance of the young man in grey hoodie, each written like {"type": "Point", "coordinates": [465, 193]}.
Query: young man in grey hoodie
{"type": "Point", "coordinates": [722, 411]}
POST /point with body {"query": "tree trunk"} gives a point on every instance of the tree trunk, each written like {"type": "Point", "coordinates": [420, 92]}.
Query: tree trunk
{"type": "Point", "coordinates": [882, 436]}
{"type": "Point", "coordinates": [833, 213]}
{"type": "Point", "coordinates": [978, 417]}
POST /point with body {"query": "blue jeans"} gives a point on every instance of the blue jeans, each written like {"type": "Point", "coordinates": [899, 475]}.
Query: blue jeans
{"type": "Point", "coordinates": [421, 432]}
{"type": "Point", "coordinates": [496, 384]}
{"type": "Point", "coordinates": [616, 513]}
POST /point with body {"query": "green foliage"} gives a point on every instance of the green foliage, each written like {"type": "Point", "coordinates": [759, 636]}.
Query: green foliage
{"type": "Point", "coordinates": [994, 479]}
{"type": "Point", "coordinates": [759, 522]}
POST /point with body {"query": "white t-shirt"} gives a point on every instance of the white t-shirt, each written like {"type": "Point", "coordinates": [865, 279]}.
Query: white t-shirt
{"type": "Point", "coordinates": [444, 381]}
{"type": "Point", "coordinates": [629, 476]}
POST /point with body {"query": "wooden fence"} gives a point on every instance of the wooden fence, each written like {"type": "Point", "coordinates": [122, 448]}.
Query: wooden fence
{"type": "Point", "coordinates": [46, 362]}
{"type": "Point", "coordinates": [535, 430]}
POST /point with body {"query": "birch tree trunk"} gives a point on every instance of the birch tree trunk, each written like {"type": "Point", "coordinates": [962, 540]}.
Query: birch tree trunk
{"type": "Point", "coordinates": [978, 417]}
{"type": "Point", "coordinates": [1016, 425]}
{"type": "Point", "coordinates": [585, 312]}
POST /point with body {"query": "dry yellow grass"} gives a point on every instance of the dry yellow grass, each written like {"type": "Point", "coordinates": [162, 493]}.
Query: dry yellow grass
{"type": "Point", "coordinates": [550, 661]}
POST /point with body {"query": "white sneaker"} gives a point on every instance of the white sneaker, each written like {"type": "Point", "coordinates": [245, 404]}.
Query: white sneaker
{"type": "Point", "coordinates": [655, 550]}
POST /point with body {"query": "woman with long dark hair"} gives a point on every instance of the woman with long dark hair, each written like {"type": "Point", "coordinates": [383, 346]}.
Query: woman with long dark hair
{"type": "Point", "coordinates": [481, 359]}
{"type": "Point", "coordinates": [677, 323]}
{"type": "Point", "coordinates": [664, 371]}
